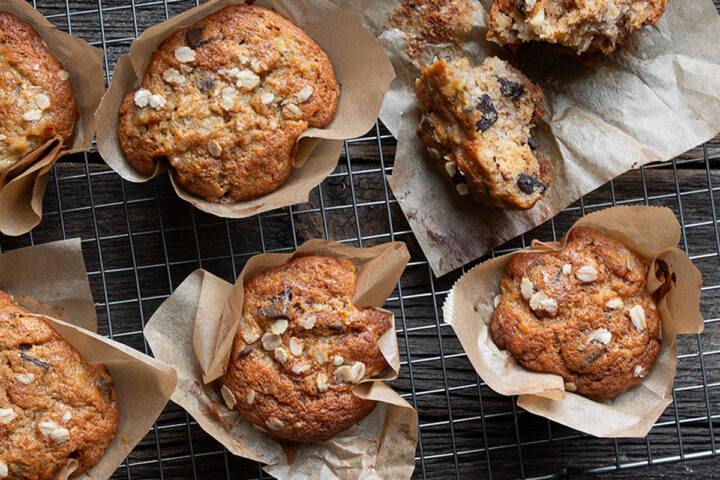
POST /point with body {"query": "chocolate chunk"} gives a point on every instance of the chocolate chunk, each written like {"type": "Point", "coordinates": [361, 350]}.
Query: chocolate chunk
{"type": "Point", "coordinates": [193, 37]}
{"type": "Point", "coordinates": [205, 84]}
{"type": "Point", "coordinates": [511, 89]}
{"type": "Point", "coordinates": [485, 105]}
{"type": "Point", "coordinates": [244, 352]}
{"type": "Point", "coordinates": [278, 306]}
{"type": "Point", "coordinates": [24, 347]}
{"type": "Point", "coordinates": [34, 360]}
{"type": "Point", "coordinates": [520, 6]}
{"type": "Point", "coordinates": [528, 184]}
{"type": "Point", "coordinates": [489, 114]}
{"type": "Point", "coordinates": [532, 144]}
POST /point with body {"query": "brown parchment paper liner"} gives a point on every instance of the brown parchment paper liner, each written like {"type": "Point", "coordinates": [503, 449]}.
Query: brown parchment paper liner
{"type": "Point", "coordinates": [50, 280]}
{"type": "Point", "coordinates": [22, 187]}
{"type": "Point", "coordinates": [193, 331]}
{"type": "Point", "coordinates": [362, 69]}
{"type": "Point", "coordinates": [652, 233]}
{"type": "Point", "coordinates": [652, 102]}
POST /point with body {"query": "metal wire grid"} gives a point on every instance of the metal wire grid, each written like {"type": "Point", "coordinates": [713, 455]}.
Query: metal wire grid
{"type": "Point", "coordinates": [135, 259]}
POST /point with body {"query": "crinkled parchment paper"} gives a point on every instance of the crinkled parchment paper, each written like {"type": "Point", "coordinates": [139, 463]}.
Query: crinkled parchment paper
{"type": "Point", "coordinates": [22, 187]}
{"type": "Point", "coordinates": [652, 102]}
{"type": "Point", "coordinates": [50, 281]}
{"type": "Point", "coordinates": [193, 331]}
{"type": "Point", "coordinates": [652, 233]}
{"type": "Point", "coordinates": [361, 67]}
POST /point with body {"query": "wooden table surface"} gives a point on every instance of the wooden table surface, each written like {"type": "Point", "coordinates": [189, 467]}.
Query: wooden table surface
{"type": "Point", "coordinates": [140, 241]}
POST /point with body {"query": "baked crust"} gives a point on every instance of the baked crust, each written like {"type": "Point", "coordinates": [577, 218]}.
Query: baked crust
{"type": "Point", "coordinates": [477, 125]}
{"type": "Point", "coordinates": [582, 313]}
{"type": "Point", "coordinates": [37, 100]}
{"type": "Point", "coordinates": [224, 101]}
{"type": "Point", "coordinates": [296, 384]}
{"type": "Point", "coordinates": [54, 406]}
{"type": "Point", "coordinates": [588, 26]}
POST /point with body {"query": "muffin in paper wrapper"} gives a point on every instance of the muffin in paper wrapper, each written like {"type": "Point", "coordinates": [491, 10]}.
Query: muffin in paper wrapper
{"type": "Point", "coordinates": [49, 281]}
{"type": "Point", "coordinates": [22, 187]}
{"type": "Point", "coordinates": [363, 74]}
{"type": "Point", "coordinates": [650, 232]}
{"type": "Point", "coordinates": [652, 101]}
{"type": "Point", "coordinates": [194, 330]}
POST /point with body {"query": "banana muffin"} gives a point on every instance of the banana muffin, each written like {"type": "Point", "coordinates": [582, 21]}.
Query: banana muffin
{"type": "Point", "coordinates": [477, 125]}
{"type": "Point", "coordinates": [300, 349]}
{"type": "Point", "coordinates": [582, 313]}
{"type": "Point", "coordinates": [588, 26]}
{"type": "Point", "coordinates": [37, 101]}
{"type": "Point", "coordinates": [55, 408]}
{"type": "Point", "coordinates": [224, 102]}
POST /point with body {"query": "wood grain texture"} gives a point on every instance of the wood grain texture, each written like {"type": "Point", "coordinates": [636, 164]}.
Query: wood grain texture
{"type": "Point", "coordinates": [140, 241]}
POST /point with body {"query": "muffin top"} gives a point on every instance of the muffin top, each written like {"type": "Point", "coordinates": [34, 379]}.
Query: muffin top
{"type": "Point", "coordinates": [36, 98]}
{"type": "Point", "coordinates": [581, 312]}
{"type": "Point", "coordinates": [55, 408]}
{"type": "Point", "coordinates": [301, 347]}
{"type": "Point", "coordinates": [224, 101]}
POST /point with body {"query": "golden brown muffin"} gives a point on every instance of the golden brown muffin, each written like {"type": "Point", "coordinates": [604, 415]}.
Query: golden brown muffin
{"type": "Point", "coordinates": [477, 125]}
{"type": "Point", "coordinates": [582, 313]}
{"type": "Point", "coordinates": [37, 101]}
{"type": "Point", "coordinates": [300, 349]}
{"type": "Point", "coordinates": [587, 26]}
{"type": "Point", "coordinates": [225, 100]}
{"type": "Point", "coordinates": [54, 406]}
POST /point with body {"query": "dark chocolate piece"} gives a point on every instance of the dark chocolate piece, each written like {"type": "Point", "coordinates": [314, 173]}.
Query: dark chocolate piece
{"type": "Point", "coordinates": [193, 37]}
{"type": "Point", "coordinates": [489, 115]}
{"type": "Point", "coordinates": [511, 89]}
{"type": "Point", "coordinates": [528, 184]}
{"type": "Point", "coordinates": [278, 306]}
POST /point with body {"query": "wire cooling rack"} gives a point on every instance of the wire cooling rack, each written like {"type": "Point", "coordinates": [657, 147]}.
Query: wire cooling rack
{"type": "Point", "coordinates": [140, 241]}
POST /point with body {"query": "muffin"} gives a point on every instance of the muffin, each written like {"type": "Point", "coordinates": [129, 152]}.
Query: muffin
{"type": "Point", "coordinates": [433, 22]}
{"type": "Point", "coordinates": [55, 408]}
{"type": "Point", "coordinates": [582, 313]}
{"type": "Point", "coordinates": [300, 349]}
{"type": "Point", "coordinates": [37, 101]}
{"type": "Point", "coordinates": [224, 102]}
{"type": "Point", "coordinates": [477, 126]}
{"type": "Point", "coordinates": [589, 26]}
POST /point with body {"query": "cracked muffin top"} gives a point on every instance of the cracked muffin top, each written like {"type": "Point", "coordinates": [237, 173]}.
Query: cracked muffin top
{"type": "Point", "coordinates": [581, 312]}
{"type": "Point", "coordinates": [586, 26]}
{"type": "Point", "coordinates": [37, 101]}
{"type": "Point", "coordinates": [301, 347]}
{"type": "Point", "coordinates": [55, 408]}
{"type": "Point", "coordinates": [224, 102]}
{"type": "Point", "coordinates": [477, 125]}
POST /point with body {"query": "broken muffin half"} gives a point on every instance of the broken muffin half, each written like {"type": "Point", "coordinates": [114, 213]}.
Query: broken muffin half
{"type": "Point", "coordinates": [477, 125]}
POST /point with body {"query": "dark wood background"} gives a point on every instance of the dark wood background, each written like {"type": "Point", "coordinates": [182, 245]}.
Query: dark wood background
{"type": "Point", "coordinates": [140, 241]}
